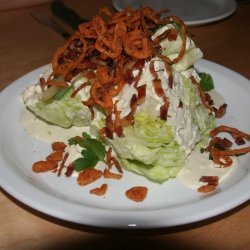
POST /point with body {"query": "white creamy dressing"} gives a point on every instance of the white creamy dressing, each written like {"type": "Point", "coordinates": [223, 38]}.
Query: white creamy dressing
{"type": "Point", "coordinates": [32, 94]}
{"type": "Point", "coordinates": [217, 98]}
{"type": "Point", "coordinates": [198, 165]}
{"type": "Point", "coordinates": [74, 152]}
{"type": "Point", "coordinates": [45, 132]}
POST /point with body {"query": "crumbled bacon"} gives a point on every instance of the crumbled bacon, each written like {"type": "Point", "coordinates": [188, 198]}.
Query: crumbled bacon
{"type": "Point", "coordinates": [180, 105]}
{"type": "Point", "coordinates": [88, 176]}
{"type": "Point", "coordinates": [221, 111]}
{"type": "Point", "coordinates": [100, 190]}
{"type": "Point", "coordinates": [209, 99]}
{"type": "Point", "coordinates": [69, 171]}
{"type": "Point", "coordinates": [62, 165]}
{"type": "Point", "coordinates": [108, 174]}
{"type": "Point", "coordinates": [137, 194]}
{"type": "Point", "coordinates": [44, 166]}
{"type": "Point", "coordinates": [58, 146]}
{"type": "Point", "coordinates": [212, 183]}
{"type": "Point", "coordinates": [239, 140]}
{"type": "Point", "coordinates": [222, 144]}
{"type": "Point", "coordinates": [141, 94]}
{"type": "Point", "coordinates": [212, 180]}
{"type": "Point", "coordinates": [206, 188]}
{"type": "Point", "coordinates": [55, 156]}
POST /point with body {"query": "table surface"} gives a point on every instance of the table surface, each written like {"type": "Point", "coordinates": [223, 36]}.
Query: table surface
{"type": "Point", "coordinates": [25, 45]}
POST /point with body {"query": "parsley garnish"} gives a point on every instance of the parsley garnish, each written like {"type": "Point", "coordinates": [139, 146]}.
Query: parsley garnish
{"type": "Point", "coordinates": [93, 152]}
{"type": "Point", "coordinates": [206, 82]}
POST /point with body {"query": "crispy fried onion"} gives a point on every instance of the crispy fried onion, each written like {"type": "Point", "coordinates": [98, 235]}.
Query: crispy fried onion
{"type": "Point", "coordinates": [106, 50]}
{"type": "Point", "coordinates": [221, 149]}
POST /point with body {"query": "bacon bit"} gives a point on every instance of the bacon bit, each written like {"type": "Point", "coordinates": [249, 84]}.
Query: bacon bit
{"type": "Point", "coordinates": [239, 140]}
{"type": "Point", "coordinates": [88, 176]}
{"type": "Point", "coordinates": [180, 105]}
{"type": "Point", "coordinates": [222, 144]}
{"type": "Point", "coordinates": [221, 111]}
{"type": "Point", "coordinates": [164, 109]}
{"type": "Point", "coordinates": [62, 165]}
{"type": "Point", "coordinates": [137, 194]}
{"type": "Point", "coordinates": [99, 191]}
{"type": "Point", "coordinates": [109, 175]}
{"type": "Point", "coordinates": [58, 146]}
{"type": "Point", "coordinates": [69, 170]}
{"type": "Point", "coordinates": [209, 99]}
{"type": "Point", "coordinates": [212, 183]}
{"type": "Point", "coordinates": [55, 156]}
{"type": "Point", "coordinates": [141, 94]}
{"type": "Point", "coordinates": [109, 157]}
{"type": "Point", "coordinates": [211, 180]}
{"type": "Point", "coordinates": [117, 164]}
{"type": "Point", "coordinates": [44, 166]}
{"type": "Point", "coordinates": [206, 188]}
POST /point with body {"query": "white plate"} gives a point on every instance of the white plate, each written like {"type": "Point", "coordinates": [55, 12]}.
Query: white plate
{"type": "Point", "coordinates": [192, 12]}
{"type": "Point", "coordinates": [166, 205]}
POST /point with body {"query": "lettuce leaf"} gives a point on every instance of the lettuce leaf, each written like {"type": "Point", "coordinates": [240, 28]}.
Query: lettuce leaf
{"type": "Point", "coordinates": [166, 163]}
{"type": "Point", "coordinates": [148, 148]}
{"type": "Point", "coordinates": [65, 112]}
{"type": "Point", "coordinates": [201, 117]}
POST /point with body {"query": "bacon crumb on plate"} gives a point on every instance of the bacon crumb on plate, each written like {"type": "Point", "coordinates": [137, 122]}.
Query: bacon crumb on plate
{"type": "Point", "coordinates": [44, 166]}
{"type": "Point", "coordinates": [88, 176]}
{"type": "Point", "coordinates": [212, 183]}
{"type": "Point", "coordinates": [58, 146]}
{"type": "Point", "coordinates": [137, 194]}
{"type": "Point", "coordinates": [55, 156]}
{"type": "Point", "coordinates": [206, 188]}
{"type": "Point", "coordinates": [108, 174]}
{"type": "Point", "coordinates": [100, 190]}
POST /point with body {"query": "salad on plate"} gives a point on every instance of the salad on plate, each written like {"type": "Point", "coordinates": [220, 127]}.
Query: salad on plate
{"type": "Point", "coordinates": [127, 82]}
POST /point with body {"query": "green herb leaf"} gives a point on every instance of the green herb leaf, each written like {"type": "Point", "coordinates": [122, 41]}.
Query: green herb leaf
{"type": "Point", "coordinates": [95, 146]}
{"type": "Point", "coordinates": [74, 140]}
{"type": "Point", "coordinates": [85, 136]}
{"type": "Point", "coordinates": [93, 152]}
{"type": "Point", "coordinates": [206, 81]}
{"type": "Point", "coordinates": [83, 163]}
